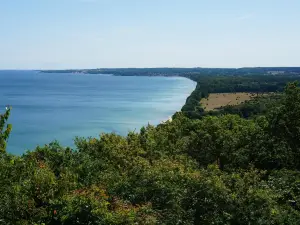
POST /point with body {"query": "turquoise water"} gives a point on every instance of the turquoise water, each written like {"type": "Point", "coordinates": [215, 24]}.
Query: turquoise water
{"type": "Point", "coordinates": [49, 107]}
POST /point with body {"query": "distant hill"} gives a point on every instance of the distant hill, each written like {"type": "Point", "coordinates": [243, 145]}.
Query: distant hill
{"type": "Point", "coordinates": [185, 72]}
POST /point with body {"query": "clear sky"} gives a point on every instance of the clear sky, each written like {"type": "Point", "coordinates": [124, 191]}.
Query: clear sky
{"type": "Point", "coordinates": [61, 34]}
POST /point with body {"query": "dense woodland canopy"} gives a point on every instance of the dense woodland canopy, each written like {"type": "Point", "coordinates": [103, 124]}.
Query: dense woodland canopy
{"type": "Point", "coordinates": [225, 168]}
{"type": "Point", "coordinates": [224, 84]}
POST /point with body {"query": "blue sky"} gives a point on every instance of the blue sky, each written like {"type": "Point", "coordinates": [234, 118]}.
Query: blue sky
{"type": "Point", "coordinates": [61, 34]}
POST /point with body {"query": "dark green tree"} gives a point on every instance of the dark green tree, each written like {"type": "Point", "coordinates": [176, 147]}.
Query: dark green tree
{"type": "Point", "coordinates": [5, 129]}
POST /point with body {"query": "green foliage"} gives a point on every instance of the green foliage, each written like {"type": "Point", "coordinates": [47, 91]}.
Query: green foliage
{"type": "Point", "coordinates": [261, 83]}
{"type": "Point", "coordinates": [93, 206]}
{"type": "Point", "coordinates": [221, 169]}
{"type": "Point", "coordinates": [258, 105]}
{"type": "Point", "coordinates": [4, 131]}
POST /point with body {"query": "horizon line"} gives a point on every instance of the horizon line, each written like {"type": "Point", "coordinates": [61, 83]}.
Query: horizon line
{"type": "Point", "coordinates": [196, 67]}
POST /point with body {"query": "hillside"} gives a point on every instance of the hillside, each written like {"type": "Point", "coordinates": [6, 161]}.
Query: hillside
{"type": "Point", "coordinates": [198, 168]}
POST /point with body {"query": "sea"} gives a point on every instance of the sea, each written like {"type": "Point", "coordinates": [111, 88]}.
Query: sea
{"type": "Point", "coordinates": [49, 107]}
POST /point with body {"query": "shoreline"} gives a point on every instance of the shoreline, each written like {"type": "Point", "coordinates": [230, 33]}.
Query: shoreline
{"type": "Point", "coordinates": [174, 92]}
{"type": "Point", "coordinates": [84, 72]}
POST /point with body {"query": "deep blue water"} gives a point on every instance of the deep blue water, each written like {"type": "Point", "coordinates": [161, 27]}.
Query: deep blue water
{"type": "Point", "coordinates": [49, 107]}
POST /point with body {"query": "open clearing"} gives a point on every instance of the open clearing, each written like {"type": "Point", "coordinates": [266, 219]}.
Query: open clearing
{"type": "Point", "coordinates": [217, 100]}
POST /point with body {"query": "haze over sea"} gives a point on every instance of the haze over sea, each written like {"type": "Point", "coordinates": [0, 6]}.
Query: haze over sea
{"type": "Point", "coordinates": [49, 107]}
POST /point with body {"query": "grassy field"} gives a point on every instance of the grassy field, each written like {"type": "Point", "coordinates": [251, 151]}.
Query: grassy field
{"type": "Point", "coordinates": [217, 100]}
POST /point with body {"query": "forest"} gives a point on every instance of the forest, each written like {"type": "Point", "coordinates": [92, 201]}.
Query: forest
{"type": "Point", "coordinates": [239, 165]}
{"type": "Point", "coordinates": [231, 84]}
{"type": "Point", "coordinates": [185, 72]}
